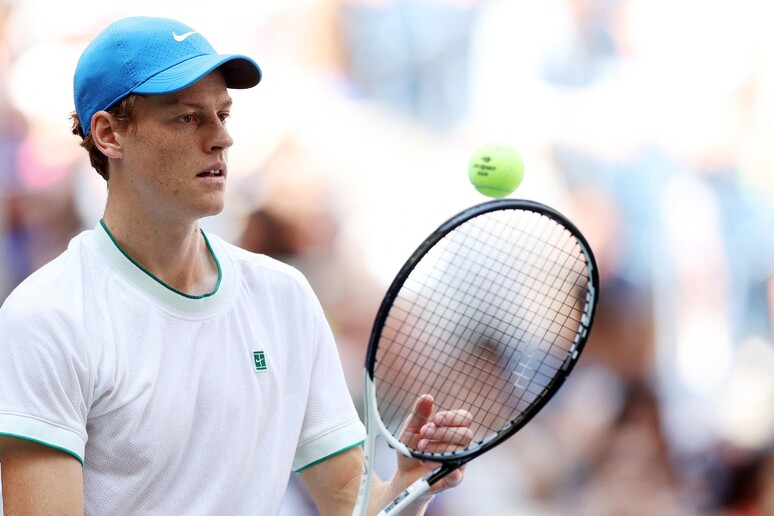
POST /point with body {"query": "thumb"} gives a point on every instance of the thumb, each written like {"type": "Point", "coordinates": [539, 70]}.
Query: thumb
{"type": "Point", "coordinates": [420, 414]}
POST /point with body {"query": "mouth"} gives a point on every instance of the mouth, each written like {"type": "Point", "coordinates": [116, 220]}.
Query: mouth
{"type": "Point", "coordinates": [214, 172]}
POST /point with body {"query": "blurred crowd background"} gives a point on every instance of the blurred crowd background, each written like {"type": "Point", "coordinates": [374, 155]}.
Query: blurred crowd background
{"type": "Point", "coordinates": [648, 122]}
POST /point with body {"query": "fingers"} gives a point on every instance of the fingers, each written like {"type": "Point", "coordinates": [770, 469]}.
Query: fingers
{"type": "Point", "coordinates": [418, 418]}
{"type": "Point", "coordinates": [453, 479]}
{"type": "Point", "coordinates": [420, 413]}
{"type": "Point", "coordinates": [453, 418]}
{"type": "Point", "coordinates": [446, 431]}
{"type": "Point", "coordinates": [443, 440]}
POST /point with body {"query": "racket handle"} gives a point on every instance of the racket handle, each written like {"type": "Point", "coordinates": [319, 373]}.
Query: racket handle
{"type": "Point", "coordinates": [410, 494]}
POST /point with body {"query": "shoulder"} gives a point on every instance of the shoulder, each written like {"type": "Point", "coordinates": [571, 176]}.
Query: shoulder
{"type": "Point", "coordinates": [255, 265]}
{"type": "Point", "coordinates": [49, 294]}
{"type": "Point", "coordinates": [43, 330]}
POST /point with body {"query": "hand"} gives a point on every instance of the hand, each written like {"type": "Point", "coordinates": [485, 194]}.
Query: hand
{"type": "Point", "coordinates": [446, 430]}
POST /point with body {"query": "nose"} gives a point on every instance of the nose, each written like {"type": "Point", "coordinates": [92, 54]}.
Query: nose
{"type": "Point", "coordinates": [220, 139]}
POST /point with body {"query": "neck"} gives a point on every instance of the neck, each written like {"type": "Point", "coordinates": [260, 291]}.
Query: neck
{"type": "Point", "coordinates": [175, 253]}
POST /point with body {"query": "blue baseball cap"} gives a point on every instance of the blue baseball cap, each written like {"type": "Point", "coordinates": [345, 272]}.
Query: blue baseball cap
{"type": "Point", "coordinates": [149, 56]}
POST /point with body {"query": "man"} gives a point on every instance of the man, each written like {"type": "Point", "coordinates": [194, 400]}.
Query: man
{"type": "Point", "coordinates": [153, 368]}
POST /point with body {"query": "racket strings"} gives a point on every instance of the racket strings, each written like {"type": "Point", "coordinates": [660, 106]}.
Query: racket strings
{"type": "Point", "coordinates": [484, 322]}
{"type": "Point", "coordinates": [489, 275]}
{"type": "Point", "coordinates": [468, 362]}
{"type": "Point", "coordinates": [535, 264]}
{"type": "Point", "coordinates": [457, 380]}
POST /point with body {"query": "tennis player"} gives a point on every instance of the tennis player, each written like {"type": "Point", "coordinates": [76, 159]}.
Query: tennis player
{"type": "Point", "coordinates": [153, 368]}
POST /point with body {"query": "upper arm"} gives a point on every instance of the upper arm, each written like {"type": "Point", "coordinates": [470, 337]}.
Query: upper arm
{"type": "Point", "coordinates": [48, 389]}
{"type": "Point", "coordinates": [334, 482]}
{"type": "Point", "coordinates": [39, 479]}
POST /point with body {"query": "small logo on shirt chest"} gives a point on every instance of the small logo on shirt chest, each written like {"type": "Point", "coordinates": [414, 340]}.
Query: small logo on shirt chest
{"type": "Point", "coordinates": [259, 360]}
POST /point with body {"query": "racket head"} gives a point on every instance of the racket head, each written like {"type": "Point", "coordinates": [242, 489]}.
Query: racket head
{"type": "Point", "coordinates": [489, 314]}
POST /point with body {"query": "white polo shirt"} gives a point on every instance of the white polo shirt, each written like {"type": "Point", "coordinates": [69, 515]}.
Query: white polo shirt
{"type": "Point", "coordinates": [174, 404]}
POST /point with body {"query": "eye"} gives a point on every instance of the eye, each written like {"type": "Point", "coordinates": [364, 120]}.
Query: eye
{"type": "Point", "coordinates": [223, 117]}
{"type": "Point", "coordinates": [185, 119]}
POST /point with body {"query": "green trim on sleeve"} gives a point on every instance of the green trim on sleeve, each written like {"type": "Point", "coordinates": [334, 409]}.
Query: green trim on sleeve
{"type": "Point", "coordinates": [329, 456]}
{"type": "Point", "coordinates": [24, 438]}
{"type": "Point", "coordinates": [327, 444]}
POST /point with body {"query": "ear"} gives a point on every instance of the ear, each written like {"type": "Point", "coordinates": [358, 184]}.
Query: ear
{"type": "Point", "coordinates": [103, 132]}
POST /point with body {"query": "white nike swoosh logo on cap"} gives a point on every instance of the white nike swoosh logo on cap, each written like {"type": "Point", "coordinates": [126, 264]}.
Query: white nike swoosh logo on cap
{"type": "Point", "coordinates": [182, 36]}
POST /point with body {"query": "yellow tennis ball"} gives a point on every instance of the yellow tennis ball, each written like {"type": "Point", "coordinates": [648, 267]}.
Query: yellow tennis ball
{"type": "Point", "coordinates": [496, 169]}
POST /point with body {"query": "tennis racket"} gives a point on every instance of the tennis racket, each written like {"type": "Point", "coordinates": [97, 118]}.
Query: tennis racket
{"type": "Point", "coordinates": [489, 315]}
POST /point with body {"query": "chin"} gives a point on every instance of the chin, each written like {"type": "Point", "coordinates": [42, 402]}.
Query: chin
{"type": "Point", "coordinates": [212, 206]}
{"type": "Point", "coordinates": [212, 211]}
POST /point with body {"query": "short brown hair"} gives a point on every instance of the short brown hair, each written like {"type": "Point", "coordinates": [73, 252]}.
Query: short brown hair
{"type": "Point", "coordinates": [125, 111]}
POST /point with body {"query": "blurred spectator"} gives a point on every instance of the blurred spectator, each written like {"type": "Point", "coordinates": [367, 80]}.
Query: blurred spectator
{"type": "Point", "coordinates": [741, 482]}
{"type": "Point", "coordinates": [12, 129]}
{"type": "Point", "coordinates": [411, 55]}
{"type": "Point", "coordinates": [631, 472]}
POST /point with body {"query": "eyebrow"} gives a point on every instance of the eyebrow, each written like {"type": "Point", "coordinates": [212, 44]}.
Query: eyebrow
{"type": "Point", "coordinates": [175, 99]}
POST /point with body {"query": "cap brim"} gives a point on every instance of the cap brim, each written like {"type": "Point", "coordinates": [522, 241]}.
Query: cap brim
{"type": "Point", "coordinates": [240, 72]}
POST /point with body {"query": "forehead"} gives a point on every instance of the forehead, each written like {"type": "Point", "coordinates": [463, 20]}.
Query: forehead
{"type": "Point", "coordinates": [209, 91]}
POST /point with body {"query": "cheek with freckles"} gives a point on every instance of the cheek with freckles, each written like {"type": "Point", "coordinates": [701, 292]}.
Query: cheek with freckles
{"type": "Point", "coordinates": [166, 161]}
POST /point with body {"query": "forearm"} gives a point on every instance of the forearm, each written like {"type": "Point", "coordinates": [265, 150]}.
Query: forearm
{"type": "Point", "coordinates": [335, 484]}
{"type": "Point", "coordinates": [383, 493]}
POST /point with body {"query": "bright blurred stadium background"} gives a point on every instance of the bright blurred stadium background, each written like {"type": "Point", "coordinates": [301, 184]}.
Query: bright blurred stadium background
{"type": "Point", "coordinates": [648, 122]}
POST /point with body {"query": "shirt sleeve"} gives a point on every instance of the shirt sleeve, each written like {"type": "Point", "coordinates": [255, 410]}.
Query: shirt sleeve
{"type": "Point", "coordinates": [331, 423]}
{"type": "Point", "coordinates": [42, 375]}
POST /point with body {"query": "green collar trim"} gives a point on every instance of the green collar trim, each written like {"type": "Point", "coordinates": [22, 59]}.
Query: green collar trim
{"type": "Point", "coordinates": [149, 273]}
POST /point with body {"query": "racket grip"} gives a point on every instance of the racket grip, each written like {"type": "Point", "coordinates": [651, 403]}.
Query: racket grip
{"type": "Point", "coordinates": [410, 494]}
